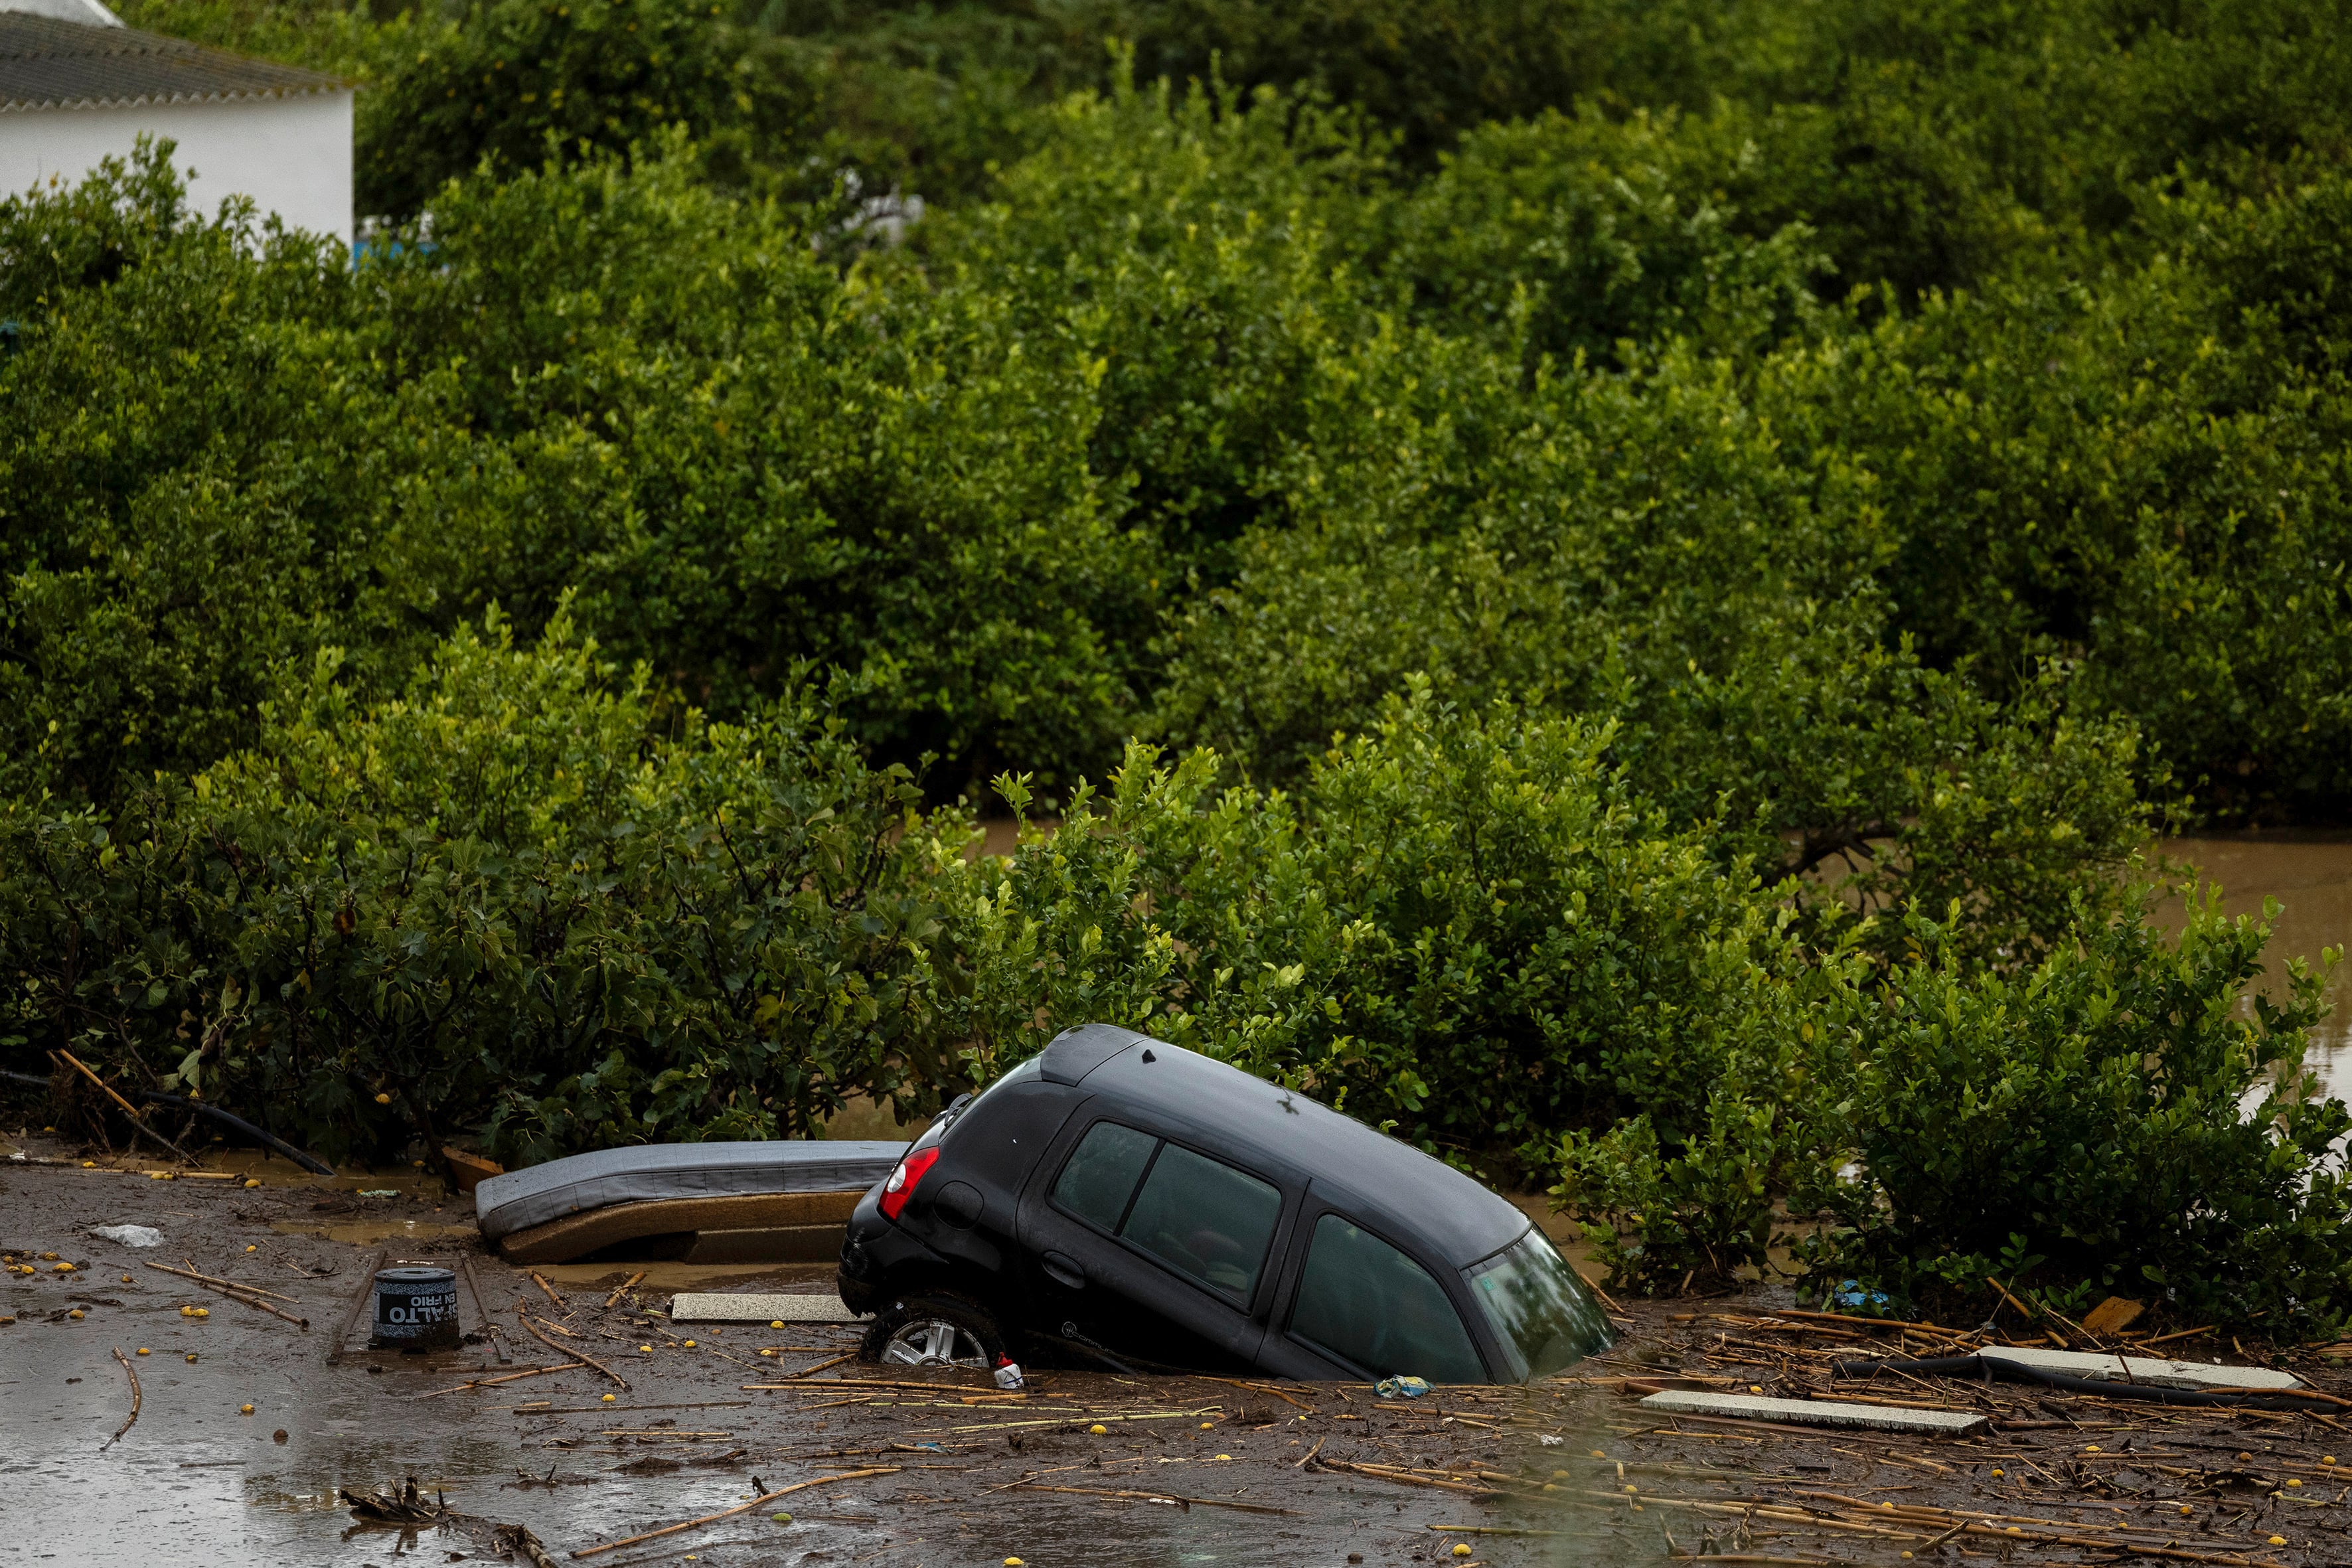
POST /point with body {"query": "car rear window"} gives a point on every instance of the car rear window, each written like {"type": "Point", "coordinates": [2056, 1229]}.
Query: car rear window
{"type": "Point", "coordinates": [1366, 1302]}
{"type": "Point", "coordinates": [1206, 1219]}
{"type": "Point", "coordinates": [1102, 1172]}
{"type": "Point", "coordinates": [1199, 1215]}
{"type": "Point", "coordinates": [1537, 1307]}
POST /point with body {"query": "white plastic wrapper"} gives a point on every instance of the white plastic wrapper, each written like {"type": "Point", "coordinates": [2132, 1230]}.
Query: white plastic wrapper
{"type": "Point", "coordinates": [129, 1235]}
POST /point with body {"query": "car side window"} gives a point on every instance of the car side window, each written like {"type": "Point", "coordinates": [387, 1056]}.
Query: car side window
{"type": "Point", "coordinates": [1368, 1303]}
{"type": "Point", "coordinates": [1102, 1172]}
{"type": "Point", "coordinates": [1204, 1218]}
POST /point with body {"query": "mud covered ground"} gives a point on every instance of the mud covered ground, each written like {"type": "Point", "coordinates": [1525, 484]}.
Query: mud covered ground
{"type": "Point", "coordinates": [896, 1468]}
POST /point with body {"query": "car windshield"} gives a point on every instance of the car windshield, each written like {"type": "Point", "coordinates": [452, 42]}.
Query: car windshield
{"type": "Point", "coordinates": [1537, 1307]}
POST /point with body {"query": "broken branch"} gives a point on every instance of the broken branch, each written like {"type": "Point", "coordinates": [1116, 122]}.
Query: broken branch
{"type": "Point", "coordinates": [532, 1328]}
{"type": "Point", "coordinates": [132, 1372]}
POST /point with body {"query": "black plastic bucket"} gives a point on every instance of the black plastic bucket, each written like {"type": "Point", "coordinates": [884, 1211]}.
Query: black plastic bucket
{"type": "Point", "coordinates": [415, 1307]}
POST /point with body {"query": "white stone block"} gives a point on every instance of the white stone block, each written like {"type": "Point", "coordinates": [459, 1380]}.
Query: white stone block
{"type": "Point", "coordinates": [2142, 1369]}
{"type": "Point", "coordinates": [720, 1308]}
{"type": "Point", "coordinates": [1819, 1413]}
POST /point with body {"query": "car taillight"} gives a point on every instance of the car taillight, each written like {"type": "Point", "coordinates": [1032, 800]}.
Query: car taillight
{"type": "Point", "coordinates": [903, 1181]}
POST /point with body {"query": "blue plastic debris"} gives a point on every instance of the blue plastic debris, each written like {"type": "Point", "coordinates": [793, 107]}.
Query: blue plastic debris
{"type": "Point", "coordinates": [1851, 1295]}
{"type": "Point", "coordinates": [1402, 1387]}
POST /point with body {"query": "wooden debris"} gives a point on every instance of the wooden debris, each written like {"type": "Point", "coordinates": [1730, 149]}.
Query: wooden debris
{"type": "Point", "coordinates": [504, 1377]}
{"type": "Point", "coordinates": [532, 1328]}
{"type": "Point", "coordinates": [760, 1501]}
{"type": "Point", "coordinates": [1171, 1499]}
{"type": "Point", "coordinates": [136, 1120]}
{"type": "Point", "coordinates": [516, 1541]}
{"type": "Point", "coordinates": [132, 1373]}
{"type": "Point", "coordinates": [189, 1272]}
{"type": "Point", "coordinates": [540, 1280]}
{"type": "Point", "coordinates": [2112, 1316]}
{"type": "Point", "coordinates": [406, 1507]}
{"type": "Point", "coordinates": [360, 1303]}
{"type": "Point", "coordinates": [623, 1289]}
{"type": "Point", "coordinates": [235, 1292]}
{"type": "Point", "coordinates": [481, 1315]}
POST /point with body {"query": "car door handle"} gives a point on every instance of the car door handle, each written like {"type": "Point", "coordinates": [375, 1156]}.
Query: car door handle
{"type": "Point", "coordinates": [1064, 1271]}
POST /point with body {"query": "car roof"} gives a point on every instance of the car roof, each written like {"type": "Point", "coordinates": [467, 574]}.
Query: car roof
{"type": "Point", "coordinates": [1386, 1183]}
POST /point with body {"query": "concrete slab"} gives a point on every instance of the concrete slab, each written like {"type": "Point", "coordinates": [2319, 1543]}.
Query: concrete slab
{"type": "Point", "coordinates": [717, 1307]}
{"type": "Point", "coordinates": [2142, 1369]}
{"type": "Point", "coordinates": [1821, 1413]}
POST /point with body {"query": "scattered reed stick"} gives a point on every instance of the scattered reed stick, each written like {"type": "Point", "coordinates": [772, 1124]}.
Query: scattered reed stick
{"type": "Point", "coordinates": [503, 1377]}
{"type": "Point", "coordinates": [1172, 1499]}
{"type": "Point", "coordinates": [532, 1328]}
{"type": "Point", "coordinates": [132, 1372]}
{"type": "Point", "coordinates": [190, 1271]}
{"type": "Point", "coordinates": [235, 1293]}
{"type": "Point", "coordinates": [540, 1280]}
{"type": "Point", "coordinates": [760, 1501]}
{"type": "Point", "coordinates": [623, 1288]}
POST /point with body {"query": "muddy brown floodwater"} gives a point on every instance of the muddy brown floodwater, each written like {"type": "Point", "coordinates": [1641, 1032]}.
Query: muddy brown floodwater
{"type": "Point", "coordinates": [2310, 875]}
{"type": "Point", "coordinates": [901, 1466]}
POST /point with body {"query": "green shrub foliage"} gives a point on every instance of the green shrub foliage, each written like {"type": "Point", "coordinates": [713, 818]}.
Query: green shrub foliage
{"type": "Point", "coordinates": [515, 893]}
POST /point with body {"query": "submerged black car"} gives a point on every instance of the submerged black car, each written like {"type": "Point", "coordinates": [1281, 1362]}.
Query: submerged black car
{"type": "Point", "coordinates": [1123, 1199]}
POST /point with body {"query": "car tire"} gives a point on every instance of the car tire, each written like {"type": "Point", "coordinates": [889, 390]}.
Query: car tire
{"type": "Point", "coordinates": [936, 1329]}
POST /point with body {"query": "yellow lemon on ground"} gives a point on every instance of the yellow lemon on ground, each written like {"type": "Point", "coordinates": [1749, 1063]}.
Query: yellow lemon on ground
{"type": "Point", "coordinates": [689, 1345]}
{"type": "Point", "coordinates": [192, 1356]}
{"type": "Point", "coordinates": [776, 1325]}
{"type": "Point", "coordinates": [383, 1100]}
{"type": "Point", "coordinates": [1012, 1562]}
{"type": "Point", "coordinates": [1205, 1425]}
{"type": "Point", "coordinates": [253, 1250]}
{"type": "Point", "coordinates": [1998, 1474]}
{"type": "Point", "coordinates": [250, 1182]}
{"type": "Point", "coordinates": [204, 1312]}
{"type": "Point", "coordinates": [648, 1348]}
{"type": "Point", "coordinates": [62, 1269]}
{"type": "Point", "coordinates": [2293, 1482]}
{"type": "Point", "coordinates": [1098, 1430]}
{"type": "Point", "coordinates": [609, 1398]}
{"type": "Point", "coordinates": [1224, 1456]}
{"type": "Point", "coordinates": [1462, 1549]}
{"type": "Point", "coordinates": [2278, 1540]}
{"type": "Point", "coordinates": [75, 1314]}
{"type": "Point", "coordinates": [245, 1410]}
{"type": "Point", "coordinates": [142, 1351]}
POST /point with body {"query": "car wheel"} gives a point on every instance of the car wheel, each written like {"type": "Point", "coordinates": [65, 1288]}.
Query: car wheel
{"type": "Point", "coordinates": [934, 1331]}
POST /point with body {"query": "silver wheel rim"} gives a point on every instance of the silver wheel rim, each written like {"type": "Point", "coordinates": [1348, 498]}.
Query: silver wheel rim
{"type": "Point", "coordinates": [934, 1341]}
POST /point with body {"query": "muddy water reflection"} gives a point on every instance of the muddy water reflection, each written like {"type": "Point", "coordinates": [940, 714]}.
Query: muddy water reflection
{"type": "Point", "coordinates": [2311, 877]}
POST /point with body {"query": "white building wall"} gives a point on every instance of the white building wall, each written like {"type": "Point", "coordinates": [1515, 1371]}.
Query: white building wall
{"type": "Point", "coordinates": [291, 155]}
